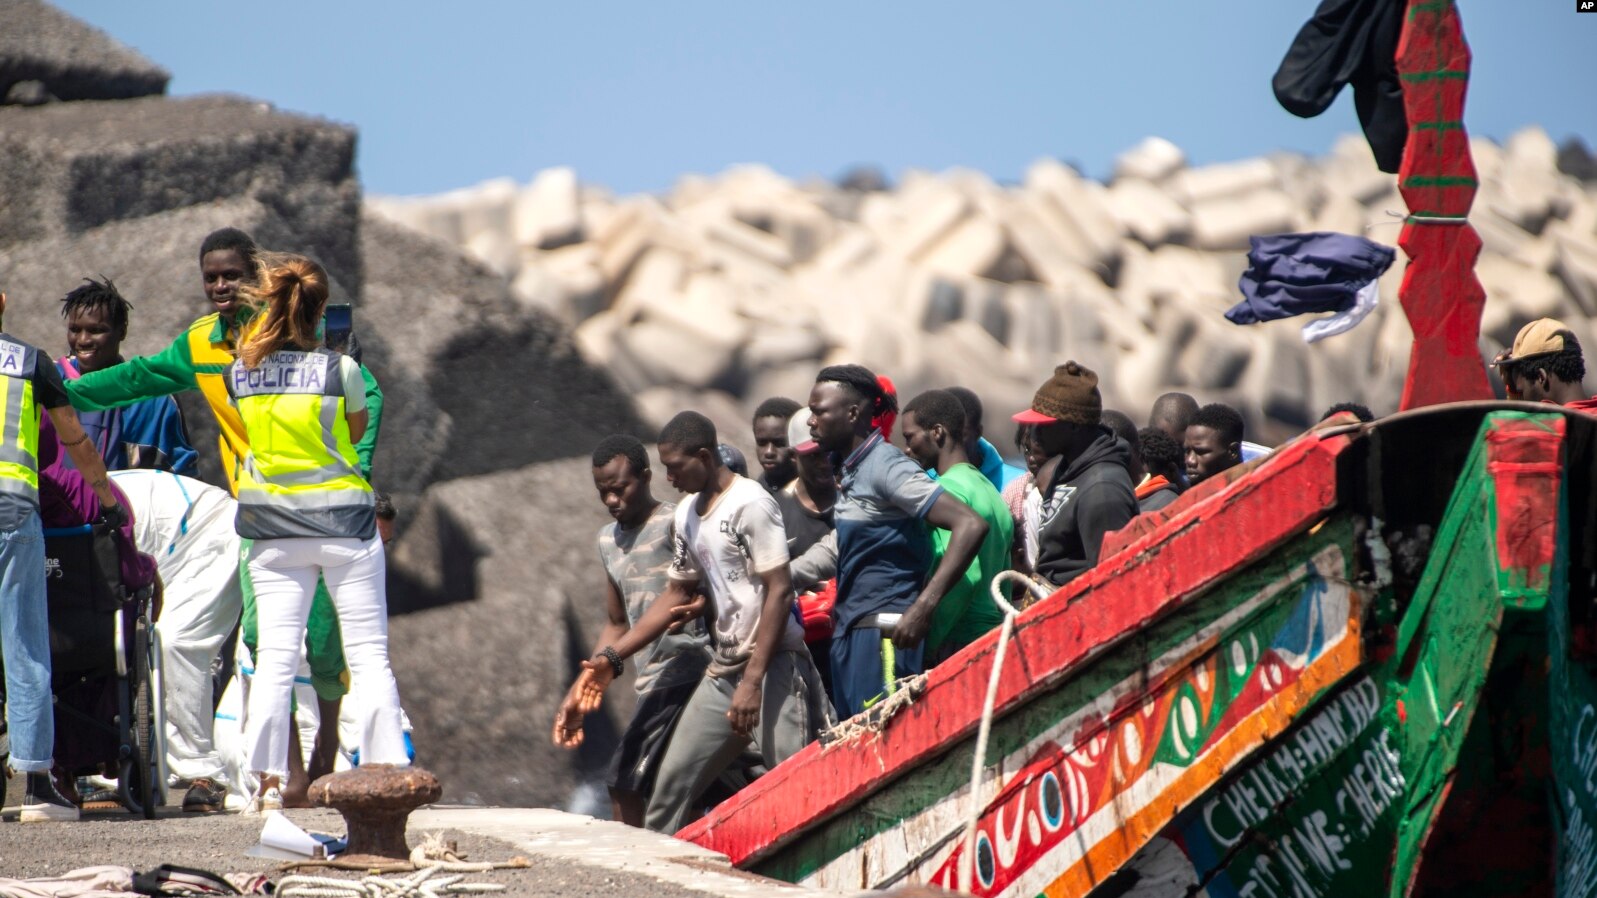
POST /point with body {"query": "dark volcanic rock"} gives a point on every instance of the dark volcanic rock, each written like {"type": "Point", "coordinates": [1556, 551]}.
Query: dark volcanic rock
{"type": "Point", "coordinates": [481, 677]}
{"type": "Point", "coordinates": [71, 59]}
{"type": "Point", "coordinates": [70, 167]}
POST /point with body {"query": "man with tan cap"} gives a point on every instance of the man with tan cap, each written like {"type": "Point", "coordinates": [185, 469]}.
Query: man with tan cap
{"type": "Point", "coordinates": [1088, 491]}
{"type": "Point", "coordinates": [1545, 365]}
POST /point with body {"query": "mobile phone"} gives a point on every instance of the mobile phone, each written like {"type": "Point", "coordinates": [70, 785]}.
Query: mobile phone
{"type": "Point", "coordinates": [337, 322]}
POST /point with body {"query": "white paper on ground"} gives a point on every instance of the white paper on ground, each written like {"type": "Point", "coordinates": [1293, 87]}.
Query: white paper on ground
{"type": "Point", "coordinates": [281, 839]}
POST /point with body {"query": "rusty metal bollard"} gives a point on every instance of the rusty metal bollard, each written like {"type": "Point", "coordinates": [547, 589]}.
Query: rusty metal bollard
{"type": "Point", "coordinates": [376, 801]}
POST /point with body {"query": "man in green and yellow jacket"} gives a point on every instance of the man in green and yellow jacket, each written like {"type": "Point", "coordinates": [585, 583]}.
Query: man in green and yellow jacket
{"type": "Point", "coordinates": [198, 360]}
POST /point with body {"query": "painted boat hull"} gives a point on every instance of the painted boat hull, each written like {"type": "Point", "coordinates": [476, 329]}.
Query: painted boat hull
{"type": "Point", "coordinates": [1283, 714]}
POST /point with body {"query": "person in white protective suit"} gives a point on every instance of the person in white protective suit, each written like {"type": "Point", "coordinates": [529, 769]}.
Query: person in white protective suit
{"type": "Point", "coordinates": [187, 527]}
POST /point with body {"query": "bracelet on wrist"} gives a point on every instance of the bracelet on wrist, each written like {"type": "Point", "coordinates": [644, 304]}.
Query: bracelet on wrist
{"type": "Point", "coordinates": [611, 656]}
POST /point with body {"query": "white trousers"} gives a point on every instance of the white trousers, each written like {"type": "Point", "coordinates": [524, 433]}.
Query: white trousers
{"type": "Point", "coordinates": [284, 572]}
{"type": "Point", "coordinates": [200, 606]}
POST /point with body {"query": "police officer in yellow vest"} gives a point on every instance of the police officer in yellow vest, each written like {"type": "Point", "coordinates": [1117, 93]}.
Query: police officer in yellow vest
{"type": "Point", "coordinates": [198, 360]}
{"type": "Point", "coordinates": [29, 382]}
{"type": "Point", "coordinates": [303, 501]}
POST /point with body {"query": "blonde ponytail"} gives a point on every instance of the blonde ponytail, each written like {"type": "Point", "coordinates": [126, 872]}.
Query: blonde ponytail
{"type": "Point", "coordinates": [289, 296]}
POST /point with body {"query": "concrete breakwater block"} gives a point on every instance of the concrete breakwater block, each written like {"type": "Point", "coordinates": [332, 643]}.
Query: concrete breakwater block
{"type": "Point", "coordinates": [758, 279]}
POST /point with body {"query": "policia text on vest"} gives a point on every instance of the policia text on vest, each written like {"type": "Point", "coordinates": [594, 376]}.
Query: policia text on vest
{"type": "Point", "coordinates": [297, 480]}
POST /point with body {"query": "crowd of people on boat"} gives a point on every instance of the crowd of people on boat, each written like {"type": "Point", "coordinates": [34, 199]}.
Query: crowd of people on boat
{"type": "Point", "coordinates": [756, 611]}
{"type": "Point", "coordinates": [759, 612]}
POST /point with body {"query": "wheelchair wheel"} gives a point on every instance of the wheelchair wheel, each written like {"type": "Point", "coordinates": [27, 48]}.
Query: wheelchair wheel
{"type": "Point", "coordinates": [140, 780]}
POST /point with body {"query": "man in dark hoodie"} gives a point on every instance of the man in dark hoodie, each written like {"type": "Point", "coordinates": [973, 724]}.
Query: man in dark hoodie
{"type": "Point", "coordinates": [1089, 491]}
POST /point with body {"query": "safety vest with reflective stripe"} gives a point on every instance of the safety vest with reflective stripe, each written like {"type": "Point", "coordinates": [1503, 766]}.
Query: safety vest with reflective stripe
{"type": "Point", "coordinates": [19, 439]}
{"type": "Point", "coordinates": [300, 476]}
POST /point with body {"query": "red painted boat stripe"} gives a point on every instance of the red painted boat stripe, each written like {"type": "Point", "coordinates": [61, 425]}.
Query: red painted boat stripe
{"type": "Point", "coordinates": [1146, 579]}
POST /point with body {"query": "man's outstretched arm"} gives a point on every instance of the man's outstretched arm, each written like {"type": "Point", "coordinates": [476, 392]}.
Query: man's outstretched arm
{"type": "Point", "coordinates": [598, 672]}
{"type": "Point", "coordinates": [172, 370]}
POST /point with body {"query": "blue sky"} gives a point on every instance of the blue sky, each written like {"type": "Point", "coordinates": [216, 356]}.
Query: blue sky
{"type": "Point", "coordinates": [634, 94]}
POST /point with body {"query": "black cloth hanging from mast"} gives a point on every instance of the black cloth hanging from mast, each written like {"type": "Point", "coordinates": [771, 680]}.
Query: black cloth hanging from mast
{"type": "Point", "coordinates": [1350, 42]}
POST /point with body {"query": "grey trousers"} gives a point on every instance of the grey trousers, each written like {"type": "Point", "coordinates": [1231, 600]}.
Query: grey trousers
{"type": "Point", "coordinates": [703, 745]}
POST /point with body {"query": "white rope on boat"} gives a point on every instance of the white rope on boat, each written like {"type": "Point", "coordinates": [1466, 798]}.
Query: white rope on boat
{"type": "Point", "coordinates": [967, 867]}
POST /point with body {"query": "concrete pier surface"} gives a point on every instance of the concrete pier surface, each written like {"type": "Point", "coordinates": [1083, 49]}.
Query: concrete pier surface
{"type": "Point", "coordinates": [569, 854]}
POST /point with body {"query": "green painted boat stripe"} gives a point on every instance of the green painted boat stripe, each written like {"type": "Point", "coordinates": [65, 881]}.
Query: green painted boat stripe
{"type": "Point", "coordinates": [1439, 181]}
{"type": "Point", "coordinates": [1435, 75]}
{"type": "Point", "coordinates": [1439, 126]}
{"type": "Point", "coordinates": [1434, 6]}
{"type": "Point", "coordinates": [932, 783]}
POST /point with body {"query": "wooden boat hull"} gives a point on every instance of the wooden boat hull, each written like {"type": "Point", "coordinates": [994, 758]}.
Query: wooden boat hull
{"type": "Point", "coordinates": [1287, 720]}
{"type": "Point", "coordinates": [1083, 776]}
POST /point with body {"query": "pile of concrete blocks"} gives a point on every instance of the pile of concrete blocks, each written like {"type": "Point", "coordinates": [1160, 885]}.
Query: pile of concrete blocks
{"type": "Point", "coordinates": [733, 288]}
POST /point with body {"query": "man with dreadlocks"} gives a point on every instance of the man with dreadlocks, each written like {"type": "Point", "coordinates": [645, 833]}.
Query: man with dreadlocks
{"type": "Point", "coordinates": [885, 598]}
{"type": "Point", "coordinates": [147, 434]}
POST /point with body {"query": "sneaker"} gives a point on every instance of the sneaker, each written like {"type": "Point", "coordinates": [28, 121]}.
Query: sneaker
{"type": "Point", "coordinates": [103, 800]}
{"type": "Point", "coordinates": [205, 796]}
{"type": "Point", "coordinates": [43, 802]}
{"type": "Point", "coordinates": [264, 803]}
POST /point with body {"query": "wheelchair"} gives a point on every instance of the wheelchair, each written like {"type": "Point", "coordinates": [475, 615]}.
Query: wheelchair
{"type": "Point", "coordinates": [105, 656]}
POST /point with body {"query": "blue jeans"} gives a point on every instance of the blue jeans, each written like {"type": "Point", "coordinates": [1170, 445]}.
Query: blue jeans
{"type": "Point", "coordinates": [859, 679]}
{"type": "Point", "coordinates": [25, 640]}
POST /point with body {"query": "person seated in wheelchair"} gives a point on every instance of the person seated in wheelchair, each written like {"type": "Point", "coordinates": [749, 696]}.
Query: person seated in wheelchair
{"type": "Point", "coordinates": [85, 591]}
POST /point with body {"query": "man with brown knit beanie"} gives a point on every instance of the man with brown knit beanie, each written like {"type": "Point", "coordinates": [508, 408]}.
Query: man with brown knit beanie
{"type": "Point", "coordinates": [1088, 491]}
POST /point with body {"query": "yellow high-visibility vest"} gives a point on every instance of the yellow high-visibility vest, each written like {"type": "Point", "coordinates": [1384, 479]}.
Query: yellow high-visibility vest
{"type": "Point", "coordinates": [19, 438]}
{"type": "Point", "coordinates": [211, 359]}
{"type": "Point", "coordinates": [300, 476]}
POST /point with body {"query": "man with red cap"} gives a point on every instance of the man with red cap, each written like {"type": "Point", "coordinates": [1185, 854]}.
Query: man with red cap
{"type": "Point", "coordinates": [1545, 365]}
{"type": "Point", "coordinates": [1087, 490]}
{"type": "Point", "coordinates": [887, 590]}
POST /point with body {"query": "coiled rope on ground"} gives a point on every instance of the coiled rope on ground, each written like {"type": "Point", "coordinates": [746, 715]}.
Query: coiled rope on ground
{"type": "Point", "coordinates": [420, 884]}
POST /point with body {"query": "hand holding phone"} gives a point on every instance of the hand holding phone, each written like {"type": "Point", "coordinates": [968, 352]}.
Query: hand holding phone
{"type": "Point", "coordinates": [337, 323]}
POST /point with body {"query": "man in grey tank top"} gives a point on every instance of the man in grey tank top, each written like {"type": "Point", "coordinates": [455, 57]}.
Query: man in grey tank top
{"type": "Point", "coordinates": [636, 552]}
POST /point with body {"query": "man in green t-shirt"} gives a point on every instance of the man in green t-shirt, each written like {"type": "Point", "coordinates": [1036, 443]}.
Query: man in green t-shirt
{"type": "Point", "coordinates": [934, 429]}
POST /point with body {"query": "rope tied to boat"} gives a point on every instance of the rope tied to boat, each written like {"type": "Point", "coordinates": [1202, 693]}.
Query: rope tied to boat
{"type": "Point", "coordinates": [874, 719]}
{"type": "Point", "coordinates": [967, 865]}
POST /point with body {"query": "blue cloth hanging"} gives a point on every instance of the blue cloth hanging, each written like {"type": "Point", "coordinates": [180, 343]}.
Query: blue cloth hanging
{"type": "Point", "coordinates": [1299, 274]}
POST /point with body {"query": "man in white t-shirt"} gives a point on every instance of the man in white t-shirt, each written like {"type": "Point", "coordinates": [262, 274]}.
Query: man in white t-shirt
{"type": "Point", "coordinates": [761, 686]}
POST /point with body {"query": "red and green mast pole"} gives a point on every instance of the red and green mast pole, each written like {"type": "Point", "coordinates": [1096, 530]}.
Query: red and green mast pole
{"type": "Point", "coordinates": [1440, 293]}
